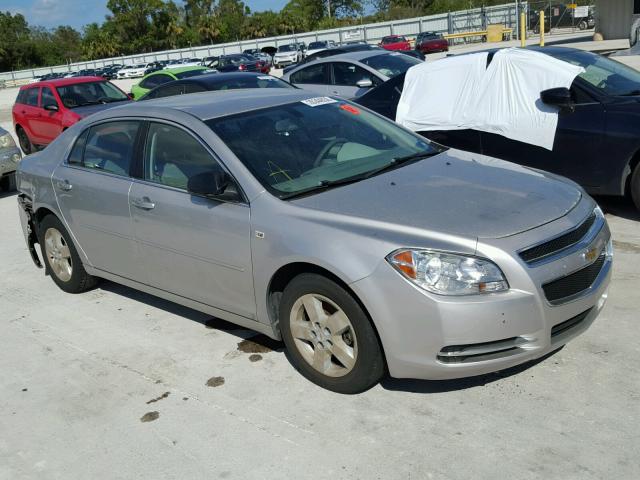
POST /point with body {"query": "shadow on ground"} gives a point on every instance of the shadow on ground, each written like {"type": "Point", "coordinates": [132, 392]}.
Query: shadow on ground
{"type": "Point", "coordinates": [621, 207]}
{"type": "Point", "coordinates": [440, 386]}
{"type": "Point", "coordinates": [206, 320]}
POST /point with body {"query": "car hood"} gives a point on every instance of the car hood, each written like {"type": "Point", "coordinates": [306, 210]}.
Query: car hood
{"type": "Point", "coordinates": [90, 109]}
{"type": "Point", "coordinates": [457, 193]}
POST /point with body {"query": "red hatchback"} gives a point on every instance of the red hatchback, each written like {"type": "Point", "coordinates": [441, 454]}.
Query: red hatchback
{"type": "Point", "coordinates": [431, 42]}
{"type": "Point", "coordinates": [395, 42]}
{"type": "Point", "coordinates": [44, 109]}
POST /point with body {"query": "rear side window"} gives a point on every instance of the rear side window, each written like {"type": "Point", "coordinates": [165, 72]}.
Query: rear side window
{"type": "Point", "coordinates": [47, 97]}
{"type": "Point", "coordinates": [29, 97]}
{"type": "Point", "coordinates": [75, 158]}
{"type": "Point", "coordinates": [314, 74]}
{"type": "Point", "coordinates": [109, 147]}
{"type": "Point", "coordinates": [155, 80]}
{"type": "Point", "coordinates": [349, 74]}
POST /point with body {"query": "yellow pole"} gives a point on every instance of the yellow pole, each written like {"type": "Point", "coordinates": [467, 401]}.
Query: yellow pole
{"type": "Point", "coordinates": [542, 27]}
{"type": "Point", "coordinates": [523, 30]}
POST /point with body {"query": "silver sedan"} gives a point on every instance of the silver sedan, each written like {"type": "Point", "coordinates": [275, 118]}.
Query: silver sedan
{"type": "Point", "coordinates": [9, 157]}
{"type": "Point", "coordinates": [363, 246]}
{"type": "Point", "coordinates": [350, 74]}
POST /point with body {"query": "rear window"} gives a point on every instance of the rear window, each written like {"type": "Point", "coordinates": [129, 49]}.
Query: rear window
{"type": "Point", "coordinates": [28, 96]}
{"type": "Point", "coordinates": [391, 64]}
{"type": "Point", "coordinates": [393, 39]}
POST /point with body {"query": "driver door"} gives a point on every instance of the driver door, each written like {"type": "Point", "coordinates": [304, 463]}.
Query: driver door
{"type": "Point", "coordinates": [192, 246]}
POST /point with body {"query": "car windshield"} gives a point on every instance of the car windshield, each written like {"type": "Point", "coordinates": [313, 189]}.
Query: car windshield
{"type": "Point", "coordinates": [391, 64]}
{"type": "Point", "coordinates": [306, 146]}
{"type": "Point", "coordinates": [192, 73]}
{"type": "Point", "coordinates": [287, 48]}
{"type": "Point", "coordinates": [314, 45]}
{"type": "Point", "coordinates": [90, 93]}
{"type": "Point", "coordinates": [248, 81]}
{"type": "Point", "coordinates": [609, 76]}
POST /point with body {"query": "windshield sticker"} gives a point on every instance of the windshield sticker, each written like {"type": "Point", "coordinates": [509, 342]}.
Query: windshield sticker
{"type": "Point", "coordinates": [350, 108]}
{"type": "Point", "coordinates": [266, 77]}
{"type": "Point", "coordinates": [314, 102]}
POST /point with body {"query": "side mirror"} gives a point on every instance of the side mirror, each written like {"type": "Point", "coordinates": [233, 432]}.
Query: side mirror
{"type": "Point", "coordinates": [212, 183]}
{"type": "Point", "coordinates": [52, 107]}
{"type": "Point", "coordinates": [364, 83]}
{"type": "Point", "coordinates": [558, 97]}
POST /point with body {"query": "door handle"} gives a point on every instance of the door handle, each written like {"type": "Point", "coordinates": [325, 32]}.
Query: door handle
{"type": "Point", "coordinates": [64, 185]}
{"type": "Point", "coordinates": [143, 203]}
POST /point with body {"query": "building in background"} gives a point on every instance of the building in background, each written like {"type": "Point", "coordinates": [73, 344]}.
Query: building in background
{"type": "Point", "coordinates": [614, 17]}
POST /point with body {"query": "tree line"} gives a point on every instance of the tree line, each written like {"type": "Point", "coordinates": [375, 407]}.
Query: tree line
{"type": "Point", "coordinates": [138, 26]}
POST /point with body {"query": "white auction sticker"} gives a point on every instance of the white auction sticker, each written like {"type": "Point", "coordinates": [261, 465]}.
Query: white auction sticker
{"type": "Point", "coordinates": [314, 102]}
{"type": "Point", "coordinates": [266, 77]}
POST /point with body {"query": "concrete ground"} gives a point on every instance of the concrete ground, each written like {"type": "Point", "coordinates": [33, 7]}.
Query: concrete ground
{"type": "Point", "coordinates": [116, 384]}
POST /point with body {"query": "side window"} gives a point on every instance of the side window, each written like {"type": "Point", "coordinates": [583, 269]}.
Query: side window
{"type": "Point", "coordinates": [193, 88]}
{"type": "Point", "coordinates": [154, 80]}
{"type": "Point", "coordinates": [314, 74]}
{"type": "Point", "coordinates": [168, 91]}
{"type": "Point", "coordinates": [47, 97]}
{"type": "Point", "coordinates": [109, 147]}
{"type": "Point", "coordinates": [22, 97]}
{"type": "Point", "coordinates": [172, 156]}
{"type": "Point", "coordinates": [75, 157]}
{"type": "Point", "coordinates": [349, 74]}
{"type": "Point", "coordinates": [31, 97]}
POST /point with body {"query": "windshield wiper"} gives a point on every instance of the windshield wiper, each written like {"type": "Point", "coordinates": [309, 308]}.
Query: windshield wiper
{"type": "Point", "coordinates": [632, 93]}
{"type": "Point", "coordinates": [396, 162]}
{"type": "Point", "coordinates": [327, 184]}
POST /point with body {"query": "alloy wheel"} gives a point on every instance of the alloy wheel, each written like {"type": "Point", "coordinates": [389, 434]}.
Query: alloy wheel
{"type": "Point", "coordinates": [58, 254]}
{"type": "Point", "coordinates": [323, 335]}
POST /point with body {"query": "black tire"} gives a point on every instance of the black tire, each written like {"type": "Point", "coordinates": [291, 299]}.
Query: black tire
{"type": "Point", "coordinates": [23, 139]}
{"type": "Point", "coordinates": [80, 280]}
{"type": "Point", "coordinates": [369, 365]}
{"type": "Point", "coordinates": [582, 25]}
{"type": "Point", "coordinates": [634, 186]}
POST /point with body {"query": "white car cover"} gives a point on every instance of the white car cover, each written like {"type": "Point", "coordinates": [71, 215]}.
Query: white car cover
{"type": "Point", "coordinates": [459, 93]}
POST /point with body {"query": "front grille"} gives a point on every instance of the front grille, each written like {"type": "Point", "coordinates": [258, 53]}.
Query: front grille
{"type": "Point", "coordinates": [575, 283]}
{"type": "Point", "coordinates": [567, 240]}
{"type": "Point", "coordinates": [569, 324]}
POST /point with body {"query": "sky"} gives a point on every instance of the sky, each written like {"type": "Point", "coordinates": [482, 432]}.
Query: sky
{"type": "Point", "coordinates": [51, 13]}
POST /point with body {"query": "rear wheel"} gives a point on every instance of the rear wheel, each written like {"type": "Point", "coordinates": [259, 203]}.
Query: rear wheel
{"type": "Point", "coordinates": [23, 139]}
{"type": "Point", "coordinates": [61, 257]}
{"type": "Point", "coordinates": [582, 25]}
{"type": "Point", "coordinates": [329, 337]}
{"type": "Point", "coordinates": [634, 186]}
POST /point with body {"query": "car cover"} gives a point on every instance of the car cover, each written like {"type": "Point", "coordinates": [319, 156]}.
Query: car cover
{"type": "Point", "coordinates": [461, 92]}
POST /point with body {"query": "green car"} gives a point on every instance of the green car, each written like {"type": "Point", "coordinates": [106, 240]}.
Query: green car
{"type": "Point", "coordinates": [155, 79]}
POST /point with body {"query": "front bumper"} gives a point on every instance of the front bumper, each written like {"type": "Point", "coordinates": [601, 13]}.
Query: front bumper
{"type": "Point", "coordinates": [436, 337]}
{"type": "Point", "coordinates": [285, 61]}
{"type": "Point", "coordinates": [9, 158]}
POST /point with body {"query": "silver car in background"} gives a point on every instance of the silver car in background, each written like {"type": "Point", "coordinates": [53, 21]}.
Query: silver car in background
{"type": "Point", "coordinates": [363, 246]}
{"type": "Point", "coordinates": [10, 156]}
{"type": "Point", "coordinates": [350, 74]}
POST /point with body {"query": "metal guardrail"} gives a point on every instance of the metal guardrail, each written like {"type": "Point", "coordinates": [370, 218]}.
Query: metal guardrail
{"type": "Point", "coordinates": [448, 23]}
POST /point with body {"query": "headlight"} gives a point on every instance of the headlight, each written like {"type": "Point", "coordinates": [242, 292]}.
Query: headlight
{"type": "Point", "coordinates": [6, 141]}
{"type": "Point", "coordinates": [448, 273]}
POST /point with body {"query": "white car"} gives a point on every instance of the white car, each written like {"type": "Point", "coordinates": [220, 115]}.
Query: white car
{"type": "Point", "coordinates": [133, 71]}
{"type": "Point", "coordinates": [315, 47]}
{"type": "Point", "coordinates": [287, 55]}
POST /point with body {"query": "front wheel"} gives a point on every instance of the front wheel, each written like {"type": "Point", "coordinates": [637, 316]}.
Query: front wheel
{"type": "Point", "coordinates": [329, 337]}
{"type": "Point", "coordinates": [61, 257]}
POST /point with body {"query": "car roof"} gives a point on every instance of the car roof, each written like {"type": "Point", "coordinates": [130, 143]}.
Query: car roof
{"type": "Point", "coordinates": [178, 70]}
{"type": "Point", "coordinates": [211, 104]}
{"type": "Point", "coordinates": [63, 82]}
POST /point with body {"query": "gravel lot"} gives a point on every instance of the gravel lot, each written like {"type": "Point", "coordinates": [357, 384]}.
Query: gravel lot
{"type": "Point", "coordinates": [118, 384]}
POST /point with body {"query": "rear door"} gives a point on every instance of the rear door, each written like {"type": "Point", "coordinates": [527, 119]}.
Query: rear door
{"type": "Point", "coordinates": [48, 124]}
{"type": "Point", "coordinates": [192, 246]}
{"type": "Point", "coordinates": [345, 78]}
{"type": "Point", "coordinates": [315, 78]}
{"type": "Point", "coordinates": [92, 189]}
{"type": "Point", "coordinates": [29, 113]}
